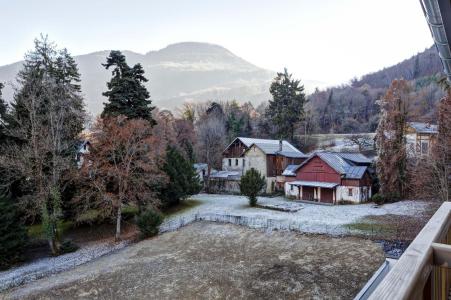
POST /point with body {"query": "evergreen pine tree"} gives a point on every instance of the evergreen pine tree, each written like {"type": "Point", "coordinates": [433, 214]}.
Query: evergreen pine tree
{"type": "Point", "coordinates": [286, 109]}
{"type": "Point", "coordinates": [252, 182]}
{"type": "Point", "coordinates": [126, 93]}
{"type": "Point", "coordinates": [183, 180]}
{"type": "Point", "coordinates": [13, 235]}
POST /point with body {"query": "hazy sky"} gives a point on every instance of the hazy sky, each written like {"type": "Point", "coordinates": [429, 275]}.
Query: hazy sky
{"type": "Point", "coordinates": [326, 40]}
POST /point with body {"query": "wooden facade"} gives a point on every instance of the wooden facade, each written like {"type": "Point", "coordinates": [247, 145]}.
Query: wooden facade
{"type": "Point", "coordinates": [275, 164]}
{"type": "Point", "coordinates": [318, 181]}
{"type": "Point", "coordinates": [236, 149]}
{"type": "Point", "coordinates": [317, 170]}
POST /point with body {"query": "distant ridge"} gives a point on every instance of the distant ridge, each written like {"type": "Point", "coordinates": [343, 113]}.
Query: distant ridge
{"type": "Point", "coordinates": [188, 71]}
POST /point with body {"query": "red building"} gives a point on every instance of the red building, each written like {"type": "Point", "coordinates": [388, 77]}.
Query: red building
{"type": "Point", "coordinates": [330, 177]}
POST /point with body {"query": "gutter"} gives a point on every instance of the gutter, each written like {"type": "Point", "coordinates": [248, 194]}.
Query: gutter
{"type": "Point", "coordinates": [374, 281]}
{"type": "Point", "coordinates": [438, 17]}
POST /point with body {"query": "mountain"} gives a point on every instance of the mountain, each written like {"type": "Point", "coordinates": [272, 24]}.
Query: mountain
{"type": "Point", "coordinates": [423, 64]}
{"type": "Point", "coordinates": [353, 108]}
{"type": "Point", "coordinates": [180, 72]}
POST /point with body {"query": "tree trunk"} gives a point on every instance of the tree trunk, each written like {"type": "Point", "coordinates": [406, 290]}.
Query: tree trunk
{"type": "Point", "coordinates": [53, 241]}
{"type": "Point", "coordinates": [118, 222]}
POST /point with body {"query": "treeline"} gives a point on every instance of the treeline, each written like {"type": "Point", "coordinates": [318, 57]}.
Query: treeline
{"type": "Point", "coordinates": [137, 157]}
{"type": "Point", "coordinates": [353, 108]}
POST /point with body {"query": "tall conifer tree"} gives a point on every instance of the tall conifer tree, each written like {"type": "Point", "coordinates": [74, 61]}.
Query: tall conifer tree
{"type": "Point", "coordinates": [126, 93]}
{"type": "Point", "coordinates": [286, 109]}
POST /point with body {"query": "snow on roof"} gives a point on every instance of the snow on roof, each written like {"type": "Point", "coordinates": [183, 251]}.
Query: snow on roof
{"type": "Point", "coordinates": [423, 127]}
{"type": "Point", "coordinates": [328, 185]}
{"type": "Point", "coordinates": [200, 166]}
{"type": "Point", "coordinates": [273, 147]}
{"type": "Point", "coordinates": [225, 175]}
{"type": "Point", "coordinates": [290, 170]}
{"type": "Point", "coordinates": [355, 157]}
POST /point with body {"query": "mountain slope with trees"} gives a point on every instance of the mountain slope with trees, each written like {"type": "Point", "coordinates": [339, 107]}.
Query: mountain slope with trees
{"type": "Point", "coordinates": [353, 107]}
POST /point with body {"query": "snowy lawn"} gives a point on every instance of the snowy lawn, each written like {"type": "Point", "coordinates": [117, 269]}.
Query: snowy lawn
{"type": "Point", "coordinates": [314, 218]}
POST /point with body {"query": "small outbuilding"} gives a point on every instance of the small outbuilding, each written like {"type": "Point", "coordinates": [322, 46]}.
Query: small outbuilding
{"type": "Point", "coordinates": [330, 177]}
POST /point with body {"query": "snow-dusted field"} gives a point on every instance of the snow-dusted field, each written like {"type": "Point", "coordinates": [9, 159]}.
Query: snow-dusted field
{"type": "Point", "coordinates": [312, 218]}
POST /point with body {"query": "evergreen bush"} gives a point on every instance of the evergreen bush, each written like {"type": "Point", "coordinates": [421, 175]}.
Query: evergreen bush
{"type": "Point", "coordinates": [13, 235]}
{"type": "Point", "coordinates": [252, 182]}
{"type": "Point", "coordinates": [149, 223]}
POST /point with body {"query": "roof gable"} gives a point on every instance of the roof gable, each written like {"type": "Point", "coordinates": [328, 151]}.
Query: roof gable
{"type": "Point", "coordinates": [420, 127]}
{"type": "Point", "coordinates": [336, 161]}
{"type": "Point", "coordinates": [272, 147]}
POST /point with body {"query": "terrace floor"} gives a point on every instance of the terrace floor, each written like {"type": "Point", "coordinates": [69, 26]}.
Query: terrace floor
{"type": "Point", "coordinates": [219, 261]}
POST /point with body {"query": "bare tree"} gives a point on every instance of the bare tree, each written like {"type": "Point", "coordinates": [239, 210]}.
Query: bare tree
{"type": "Point", "coordinates": [123, 165]}
{"type": "Point", "coordinates": [211, 139]}
{"type": "Point", "coordinates": [362, 141]}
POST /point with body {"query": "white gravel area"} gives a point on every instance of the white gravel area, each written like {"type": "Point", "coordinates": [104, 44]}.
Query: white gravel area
{"type": "Point", "coordinates": [315, 218]}
{"type": "Point", "coordinates": [51, 265]}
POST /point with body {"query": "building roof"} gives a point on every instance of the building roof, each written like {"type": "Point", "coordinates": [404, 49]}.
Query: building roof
{"type": "Point", "coordinates": [200, 166]}
{"type": "Point", "coordinates": [271, 147]}
{"type": "Point", "coordinates": [344, 163]}
{"type": "Point", "coordinates": [328, 185]}
{"type": "Point", "coordinates": [290, 170]}
{"type": "Point", "coordinates": [355, 157]}
{"type": "Point", "coordinates": [225, 175]}
{"type": "Point", "coordinates": [420, 127]}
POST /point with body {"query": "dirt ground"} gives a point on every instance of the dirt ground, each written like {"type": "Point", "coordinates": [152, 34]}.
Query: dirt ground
{"type": "Point", "coordinates": [219, 261]}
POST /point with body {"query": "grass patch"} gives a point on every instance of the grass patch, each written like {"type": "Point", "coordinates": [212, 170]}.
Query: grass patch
{"type": "Point", "coordinates": [183, 206]}
{"type": "Point", "coordinates": [372, 228]}
{"type": "Point", "coordinates": [391, 227]}
{"type": "Point", "coordinates": [37, 232]}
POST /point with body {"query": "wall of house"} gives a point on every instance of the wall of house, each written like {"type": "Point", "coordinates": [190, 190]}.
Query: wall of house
{"type": "Point", "coordinates": [255, 158]}
{"type": "Point", "coordinates": [224, 186]}
{"type": "Point", "coordinates": [419, 144]}
{"type": "Point", "coordinates": [317, 170]}
{"type": "Point", "coordinates": [359, 193]}
{"type": "Point", "coordinates": [233, 164]}
{"type": "Point", "coordinates": [291, 191]}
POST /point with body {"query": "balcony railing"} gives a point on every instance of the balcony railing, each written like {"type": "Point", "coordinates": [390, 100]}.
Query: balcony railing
{"type": "Point", "coordinates": [423, 271]}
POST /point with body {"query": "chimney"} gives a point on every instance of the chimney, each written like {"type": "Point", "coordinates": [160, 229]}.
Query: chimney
{"type": "Point", "coordinates": [280, 145]}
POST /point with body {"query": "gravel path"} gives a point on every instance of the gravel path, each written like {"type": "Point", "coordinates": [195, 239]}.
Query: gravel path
{"type": "Point", "coordinates": [51, 265]}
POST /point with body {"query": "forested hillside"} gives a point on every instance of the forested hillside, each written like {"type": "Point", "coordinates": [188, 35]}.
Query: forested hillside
{"type": "Point", "coordinates": [352, 108]}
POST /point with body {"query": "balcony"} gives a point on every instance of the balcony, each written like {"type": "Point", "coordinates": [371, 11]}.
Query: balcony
{"type": "Point", "coordinates": [423, 271]}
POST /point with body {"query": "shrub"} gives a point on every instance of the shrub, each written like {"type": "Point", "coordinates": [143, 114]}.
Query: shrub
{"type": "Point", "coordinates": [13, 235]}
{"type": "Point", "coordinates": [379, 199]}
{"type": "Point", "coordinates": [251, 184]}
{"type": "Point", "coordinates": [68, 246]}
{"type": "Point", "coordinates": [149, 223]}
{"type": "Point", "coordinates": [183, 179]}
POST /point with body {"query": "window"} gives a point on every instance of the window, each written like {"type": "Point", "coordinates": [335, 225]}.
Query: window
{"type": "Point", "coordinates": [350, 192]}
{"type": "Point", "coordinates": [236, 162]}
{"type": "Point", "coordinates": [230, 162]}
{"type": "Point", "coordinates": [291, 187]}
{"type": "Point", "coordinates": [424, 147]}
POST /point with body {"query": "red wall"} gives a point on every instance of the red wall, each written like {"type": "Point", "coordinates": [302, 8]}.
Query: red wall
{"type": "Point", "coordinates": [317, 170]}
